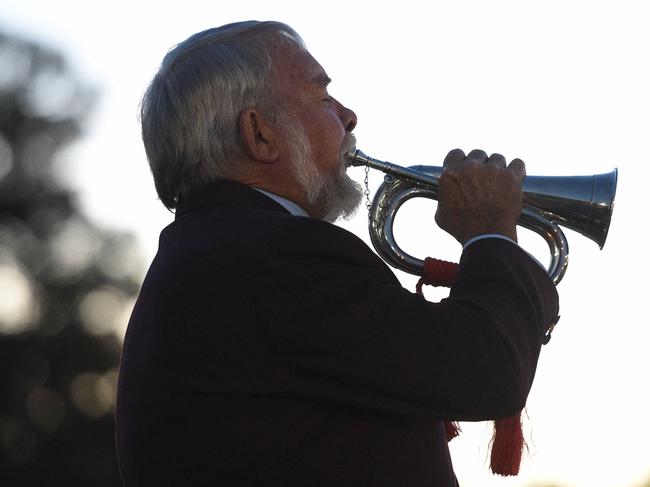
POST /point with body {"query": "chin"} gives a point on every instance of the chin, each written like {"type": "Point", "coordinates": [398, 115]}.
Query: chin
{"type": "Point", "coordinates": [343, 197]}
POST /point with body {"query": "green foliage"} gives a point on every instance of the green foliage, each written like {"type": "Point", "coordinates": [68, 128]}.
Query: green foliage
{"type": "Point", "coordinates": [66, 286]}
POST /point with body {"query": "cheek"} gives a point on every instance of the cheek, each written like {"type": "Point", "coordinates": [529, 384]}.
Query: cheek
{"type": "Point", "coordinates": [330, 130]}
{"type": "Point", "coordinates": [326, 134]}
{"type": "Point", "coordinates": [326, 121]}
{"type": "Point", "coordinates": [328, 142]}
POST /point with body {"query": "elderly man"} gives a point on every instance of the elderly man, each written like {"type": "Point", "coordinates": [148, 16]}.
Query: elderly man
{"type": "Point", "coordinates": [269, 346]}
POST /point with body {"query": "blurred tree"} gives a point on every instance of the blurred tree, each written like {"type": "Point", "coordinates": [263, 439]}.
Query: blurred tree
{"type": "Point", "coordinates": [66, 286]}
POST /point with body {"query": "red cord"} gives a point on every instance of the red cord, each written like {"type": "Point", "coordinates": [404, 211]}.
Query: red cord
{"type": "Point", "coordinates": [437, 273]}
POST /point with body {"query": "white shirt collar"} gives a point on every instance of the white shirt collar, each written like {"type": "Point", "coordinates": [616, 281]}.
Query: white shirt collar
{"type": "Point", "coordinates": [288, 205]}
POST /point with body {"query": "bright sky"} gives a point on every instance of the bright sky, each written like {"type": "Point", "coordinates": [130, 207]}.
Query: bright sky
{"type": "Point", "coordinates": [562, 84]}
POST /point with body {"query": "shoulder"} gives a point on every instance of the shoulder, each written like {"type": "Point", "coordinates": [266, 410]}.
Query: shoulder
{"type": "Point", "coordinates": [228, 234]}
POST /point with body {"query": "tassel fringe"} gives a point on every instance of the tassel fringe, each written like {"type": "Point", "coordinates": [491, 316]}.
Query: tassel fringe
{"type": "Point", "coordinates": [507, 446]}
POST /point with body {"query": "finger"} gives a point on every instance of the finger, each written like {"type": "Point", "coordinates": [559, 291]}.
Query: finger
{"type": "Point", "coordinates": [455, 156]}
{"type": "Point", "coordinates": [497, 160]}
{"type": "Point", "coordinates": [477, 155]}
{"type": "Point", "coordinates": [518, 167]}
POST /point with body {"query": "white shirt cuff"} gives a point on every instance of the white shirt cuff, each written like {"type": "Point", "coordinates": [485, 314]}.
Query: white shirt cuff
{"type": "Point", "coordinates": [488, 235]}
{"type": "Point", "coordinates": [502, 237]}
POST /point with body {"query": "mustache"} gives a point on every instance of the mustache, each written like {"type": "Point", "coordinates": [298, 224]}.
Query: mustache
{"type": "Point", "coordinates": [348, 145]}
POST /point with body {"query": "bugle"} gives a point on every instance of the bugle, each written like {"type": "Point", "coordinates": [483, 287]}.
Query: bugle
{"type": "Point", "coordinates": [581, 203]}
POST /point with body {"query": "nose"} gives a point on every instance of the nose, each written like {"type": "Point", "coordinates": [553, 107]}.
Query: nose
{"type": "Point", "coordinates": [348, 118]}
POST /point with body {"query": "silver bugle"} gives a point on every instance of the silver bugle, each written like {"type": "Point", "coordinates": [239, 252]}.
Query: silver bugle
{"type": "Point", "coordinates": [581, 203]}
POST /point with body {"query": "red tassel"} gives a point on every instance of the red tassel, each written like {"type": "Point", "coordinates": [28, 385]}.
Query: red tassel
{"type": "Point", "coordinates": [507, 446]}
{"type": "Point", "coordinates": [508, 441]}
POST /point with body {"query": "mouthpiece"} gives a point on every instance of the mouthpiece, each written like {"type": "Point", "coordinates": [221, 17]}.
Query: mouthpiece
{"type": "Point", "coordinates": [357, 158]}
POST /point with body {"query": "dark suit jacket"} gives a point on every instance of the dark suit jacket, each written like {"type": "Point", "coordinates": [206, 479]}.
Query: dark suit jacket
{"type": "Point", "coordinates": [269, 349]}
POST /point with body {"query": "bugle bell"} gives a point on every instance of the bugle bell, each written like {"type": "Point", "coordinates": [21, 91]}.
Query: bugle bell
{"type": "Point", "coordinates": [581, 203]}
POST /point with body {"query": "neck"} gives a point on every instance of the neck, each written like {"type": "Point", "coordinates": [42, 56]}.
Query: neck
{"type": "Point", "coordinates": [288, 189]}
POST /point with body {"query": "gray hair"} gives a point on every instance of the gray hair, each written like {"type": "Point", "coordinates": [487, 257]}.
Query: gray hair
{"type": "Point", "coordinates": [190, 111]}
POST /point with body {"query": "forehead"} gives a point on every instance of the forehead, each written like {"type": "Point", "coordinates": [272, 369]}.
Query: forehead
{"type": "Point", "coordinates": [296, 66]}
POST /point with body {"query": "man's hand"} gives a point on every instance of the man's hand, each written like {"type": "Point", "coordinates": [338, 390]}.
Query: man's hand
{"type": "Point", "coordinates": [479, 195]}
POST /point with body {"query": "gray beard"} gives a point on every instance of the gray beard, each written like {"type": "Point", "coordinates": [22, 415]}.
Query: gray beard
{"type": "Point", "coordinates": [331, 196]}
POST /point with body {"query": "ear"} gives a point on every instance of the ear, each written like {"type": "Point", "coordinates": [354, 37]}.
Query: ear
{"type": "Point", "coordinates": [258, 137]}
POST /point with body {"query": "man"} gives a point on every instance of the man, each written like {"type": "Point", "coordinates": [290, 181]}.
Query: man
{"type": "Point", "coordinates": [270, 347]}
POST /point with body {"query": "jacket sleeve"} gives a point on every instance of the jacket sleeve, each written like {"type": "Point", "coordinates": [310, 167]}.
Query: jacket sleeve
{"type": "Point", "coordinates": [340, 328]}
